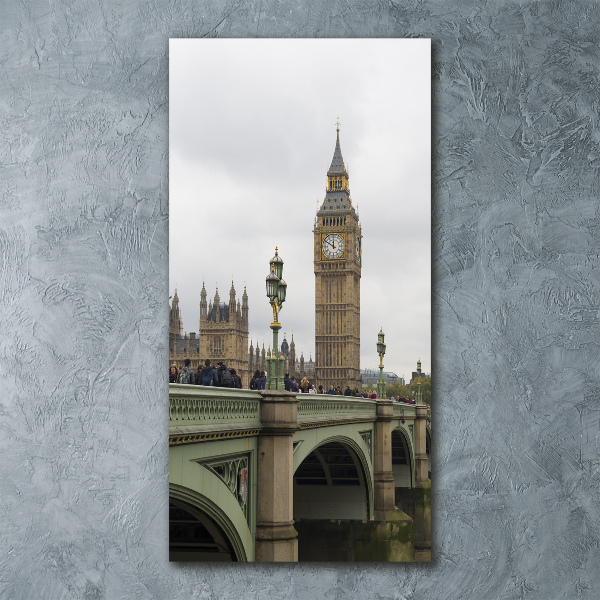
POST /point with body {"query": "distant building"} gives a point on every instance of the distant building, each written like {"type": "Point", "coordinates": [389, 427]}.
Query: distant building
{"type": "Point", "coordinates": [417, 374]}
{"type": "Point", "coordinates": [222, 335]}
{"type": "Point", "coordinates": [372, 376]}
{"type": "Point", "coordinates": [297, 368]}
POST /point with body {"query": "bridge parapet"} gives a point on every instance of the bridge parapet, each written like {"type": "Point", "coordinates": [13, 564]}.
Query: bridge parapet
{"type": "Point", "coordinates": [200, 412]}
{"type": "Point", "coordinates": [325, 409]}
{"type": "Point", "coordinates": [408, 411]}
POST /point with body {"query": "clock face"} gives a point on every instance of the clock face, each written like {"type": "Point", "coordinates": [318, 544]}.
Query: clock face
{"type": "Point", "coordinates": [333, 245]}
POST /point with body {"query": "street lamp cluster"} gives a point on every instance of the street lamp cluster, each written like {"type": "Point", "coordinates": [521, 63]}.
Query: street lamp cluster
{"type": "Point", "coordinates": [276, 292]}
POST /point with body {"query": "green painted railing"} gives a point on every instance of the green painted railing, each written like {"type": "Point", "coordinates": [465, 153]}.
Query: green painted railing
{"type": "Point", "coordinates": [405, 410]}
{"type": "Point", "coordinates": [201, 408]}
{"type": "Point", "coordinates": [323, 408]}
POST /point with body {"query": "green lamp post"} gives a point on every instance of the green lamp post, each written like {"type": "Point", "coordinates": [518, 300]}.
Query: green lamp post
{"type": "Point", "coordinates": [419, 396]}
{"type": "Point", "coordinates": [381, 393]}
{"type": "Point", "coordinates": [276, 292]}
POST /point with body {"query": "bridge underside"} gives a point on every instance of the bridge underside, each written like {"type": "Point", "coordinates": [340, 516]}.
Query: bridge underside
{"type": "Point", "coordinates": [331, 503]}
{"type": "Point", "coordinates": [330, 484]}
{"type": "Point", "coordinates": [194, 536]}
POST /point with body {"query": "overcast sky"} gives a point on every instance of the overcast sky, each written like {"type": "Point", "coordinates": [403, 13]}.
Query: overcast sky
{"type": "Point", "coordinates": [252, 131]}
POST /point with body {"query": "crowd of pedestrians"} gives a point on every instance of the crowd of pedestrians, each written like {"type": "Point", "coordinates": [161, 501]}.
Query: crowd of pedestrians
{"type": "Point", "coordinates": [221, 376]}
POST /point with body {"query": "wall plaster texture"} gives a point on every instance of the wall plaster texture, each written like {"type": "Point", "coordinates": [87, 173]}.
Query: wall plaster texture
{"type": "Point", "coordinates": [83, 289]}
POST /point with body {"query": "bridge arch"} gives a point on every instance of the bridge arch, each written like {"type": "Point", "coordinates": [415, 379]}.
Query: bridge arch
{"type": "Point", "coordinates": [340, 464]}
{"type": "Point", "coordinates": [403, 456]}
{"type": "Point", "coordinates": [207, 499]}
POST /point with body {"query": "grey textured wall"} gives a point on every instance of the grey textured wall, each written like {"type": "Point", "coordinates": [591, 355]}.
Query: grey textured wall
{"type": "Point", "coordinates": [83, 288]}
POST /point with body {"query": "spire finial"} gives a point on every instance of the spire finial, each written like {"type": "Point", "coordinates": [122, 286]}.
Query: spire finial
{"type": "Point", "coordinates": [337, 125]}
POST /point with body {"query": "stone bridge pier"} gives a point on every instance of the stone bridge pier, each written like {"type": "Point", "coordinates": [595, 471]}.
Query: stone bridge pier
{"type": "Point", "coordinates": [276, 538]}
{"type": "Point", "coordinates": [416, 501]}
{"type": "Point", "coordinates": [393, 531]}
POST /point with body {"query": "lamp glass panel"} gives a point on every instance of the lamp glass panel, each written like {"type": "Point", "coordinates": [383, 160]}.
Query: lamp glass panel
{"type": "Point", "coordinates": [281, 291]}
{"type": "Point", "coordinates": [271, 286]}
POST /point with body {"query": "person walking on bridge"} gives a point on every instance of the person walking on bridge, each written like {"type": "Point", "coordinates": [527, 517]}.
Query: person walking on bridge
{"type": "Point", "coordinates": [224, 375]}
{"type": "Point", "coordinates": [262, 381]}
{"type": "Point", "coordinates": [254, 381]}
{"type": "Point", "coordinates": [304, 385]}
{"type": "Point", "coordinates": [237, 381]}
{"type": "Point", "coordinates": [208, 375]}
{"type": "Point", "coordinates": [186, 375]}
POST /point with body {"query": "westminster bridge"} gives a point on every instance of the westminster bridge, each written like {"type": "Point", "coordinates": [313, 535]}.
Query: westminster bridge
{"type": "Point", "coordinates": [273, 476]}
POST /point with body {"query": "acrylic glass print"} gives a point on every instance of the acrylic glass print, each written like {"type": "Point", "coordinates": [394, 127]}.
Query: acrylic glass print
{"type": "Point", "coordinates": [300, 300]}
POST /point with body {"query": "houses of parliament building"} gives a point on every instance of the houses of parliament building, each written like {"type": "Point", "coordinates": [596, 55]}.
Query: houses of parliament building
{"type": "Point", "coordinates": [223, 336]}
{"type": "Point", "coordinates": [337, 262]}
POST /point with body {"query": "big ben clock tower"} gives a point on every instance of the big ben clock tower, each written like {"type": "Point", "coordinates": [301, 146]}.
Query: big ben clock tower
{"type": "Point", "coordinates": [337, 261]}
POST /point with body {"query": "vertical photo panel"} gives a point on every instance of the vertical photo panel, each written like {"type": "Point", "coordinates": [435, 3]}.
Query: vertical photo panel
{"type": "Point", "coordinates": [300, 300]}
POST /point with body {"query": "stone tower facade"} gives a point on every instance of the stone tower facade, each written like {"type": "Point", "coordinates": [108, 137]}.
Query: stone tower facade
{"type": "Point", "coordinates": [256, 359]}
{"type": "Point", "coordinates": [337, 265]}
{"type": "Point", "coordinates": [223, 334]}
{"type": "Point", "coordinates": [175, 322]}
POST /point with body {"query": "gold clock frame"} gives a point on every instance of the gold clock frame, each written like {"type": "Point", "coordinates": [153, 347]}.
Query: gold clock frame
{"type": "Point", "coordinates": [342, 256]}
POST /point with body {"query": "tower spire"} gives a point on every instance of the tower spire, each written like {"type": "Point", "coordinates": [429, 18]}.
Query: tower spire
{"type": "Point", "coordinates": [337, 162]}
{"type": "Point", "coordinates": [337, 195]}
